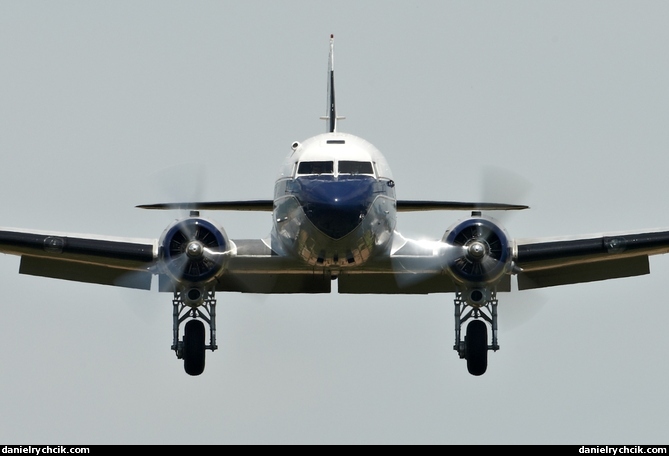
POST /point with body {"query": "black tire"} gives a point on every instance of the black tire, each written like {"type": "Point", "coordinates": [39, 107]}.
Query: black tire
{"type": "Point", "coordinates": [194, 347]}
{"type": "Point", "coordinates": [476, 347]}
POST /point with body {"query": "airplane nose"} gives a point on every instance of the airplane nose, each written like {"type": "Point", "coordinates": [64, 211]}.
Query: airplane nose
{"type": "Point", "coordinates": [336, 206]}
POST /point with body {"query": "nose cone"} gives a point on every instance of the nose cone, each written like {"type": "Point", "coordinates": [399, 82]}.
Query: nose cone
{"type": "Point", "coordinates": [336, 206]}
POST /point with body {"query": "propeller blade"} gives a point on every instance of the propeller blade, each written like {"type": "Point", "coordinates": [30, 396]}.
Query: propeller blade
{"type": "Point", "coordinates": [503, 183]}
{"type": "Point", "coordinates": [417, 260]}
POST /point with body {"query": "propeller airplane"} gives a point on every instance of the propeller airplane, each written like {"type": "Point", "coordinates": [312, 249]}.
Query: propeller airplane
{"type": "Point", "coordinates": [334, 219]}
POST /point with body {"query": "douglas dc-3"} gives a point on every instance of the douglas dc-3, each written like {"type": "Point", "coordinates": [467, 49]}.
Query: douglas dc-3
{"type": "Point", "coordinates": [334, 215]}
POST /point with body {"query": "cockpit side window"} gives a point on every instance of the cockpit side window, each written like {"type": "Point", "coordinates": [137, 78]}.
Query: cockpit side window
{"type": "Point", "coordinates": [355, 167]}
{"type": "Point", "coordinates": [316, 167]}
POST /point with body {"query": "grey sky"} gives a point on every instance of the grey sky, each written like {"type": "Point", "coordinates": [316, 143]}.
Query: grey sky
{"type": "Point", "coordinates": [100, 100]}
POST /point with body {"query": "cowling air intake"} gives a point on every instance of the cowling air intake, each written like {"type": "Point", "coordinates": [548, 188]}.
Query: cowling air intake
{"type": "Point", "coordinates": [483, 251]}
{"type": "Point", "coordinates": [194, 250]}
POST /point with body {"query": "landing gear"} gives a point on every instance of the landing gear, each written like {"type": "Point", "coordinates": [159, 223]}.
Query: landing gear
{"type": "Point", "coordinates": [195, 307]}
{"type": "Point", "coordinates": [193, 347]}
{"type": "Point", "coordinates": [475, 308]}
{"type": "Point", "coordinates": [476, 347]}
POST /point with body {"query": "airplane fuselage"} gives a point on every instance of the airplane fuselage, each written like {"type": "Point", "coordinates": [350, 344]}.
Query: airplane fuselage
{"type": "Point", "coordinates": [334, 202]}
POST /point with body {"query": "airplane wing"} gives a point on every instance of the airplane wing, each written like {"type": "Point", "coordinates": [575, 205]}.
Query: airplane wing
{"type": "Point", "coordinates": [131, 263]}
{"type": "Point", "coordinates": [538, 263]}
{"type": "Point", "coordinates": [82, 258]}
{"type": "Point", "coordinates": [256, 268]}
{"type": "Point", "coordinates": [413, 267]}
{"type": "Point", "coordinates": [561, 261]}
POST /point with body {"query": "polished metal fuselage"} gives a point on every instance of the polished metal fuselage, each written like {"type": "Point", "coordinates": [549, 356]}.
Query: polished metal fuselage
{"type": "Point", "coordinates": [334, 222]}
{"type": "Point", "coordinates": [299, 235]}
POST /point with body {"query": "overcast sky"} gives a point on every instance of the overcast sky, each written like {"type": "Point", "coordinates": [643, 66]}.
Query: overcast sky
{"type": "Point", "coordinates": [105, 105]}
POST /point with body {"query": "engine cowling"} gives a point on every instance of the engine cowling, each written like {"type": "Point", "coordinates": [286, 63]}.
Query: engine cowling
{"type": "Point", "coordinates": [481, 251]}
{"type": "Point", "coordinates": [194, 251]}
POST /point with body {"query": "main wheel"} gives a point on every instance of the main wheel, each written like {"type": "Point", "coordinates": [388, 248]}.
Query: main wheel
{"type": "Point", "coordinates": [194, 347]}
{"type": "Point", "coordinates": [476, 347]}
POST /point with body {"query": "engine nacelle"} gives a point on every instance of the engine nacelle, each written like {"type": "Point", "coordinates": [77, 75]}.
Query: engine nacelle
{"type": "Point", "coordinates": [481, 252]}
{"type": "Point", "coordinates": [193, 251]}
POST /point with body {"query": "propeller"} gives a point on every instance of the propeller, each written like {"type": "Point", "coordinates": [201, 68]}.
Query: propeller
{"type": "Point", "coordinates": [505, 184]}
{"type": "Point", "coordinates": [193, 250]}
{"type": "Point", "coordinates": [178, 182]}
{"type": "Point", "coordinates": [484, 253]}
{"type": "Point", "coordinates": [475, 252]}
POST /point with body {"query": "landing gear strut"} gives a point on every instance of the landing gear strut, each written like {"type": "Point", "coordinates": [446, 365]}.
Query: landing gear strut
{"type": "Point", "coordinates": [195, 307]}
{"type": "Point", "coordinates": [475, 308]}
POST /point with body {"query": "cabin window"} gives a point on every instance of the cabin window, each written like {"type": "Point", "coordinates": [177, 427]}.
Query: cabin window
{"type": "Point", "coordinates": [316, 167]}
{"type": "Point", "coordinates": [355, 167]}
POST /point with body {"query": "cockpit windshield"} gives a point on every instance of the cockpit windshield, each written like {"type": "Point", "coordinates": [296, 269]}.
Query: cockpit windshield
{"type": "Point", "coordinates": [355, 167]}
{"type": "Point", "coordinates": [316, 167]}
